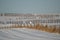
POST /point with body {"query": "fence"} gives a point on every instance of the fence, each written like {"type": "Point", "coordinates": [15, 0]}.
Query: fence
{"type": "Point", "coordinates": [49, 24]}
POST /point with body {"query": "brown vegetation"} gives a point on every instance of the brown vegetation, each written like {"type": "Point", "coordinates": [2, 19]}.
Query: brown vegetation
{"type": "Point", "coordinates": [51, 29]}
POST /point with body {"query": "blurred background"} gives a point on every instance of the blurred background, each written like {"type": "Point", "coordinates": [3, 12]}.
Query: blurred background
{"type": "Point", "coordinates": [30, 6]}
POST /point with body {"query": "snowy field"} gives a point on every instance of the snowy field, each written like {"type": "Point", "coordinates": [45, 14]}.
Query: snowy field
{"type": "Point", "coordinates": [26, 34]}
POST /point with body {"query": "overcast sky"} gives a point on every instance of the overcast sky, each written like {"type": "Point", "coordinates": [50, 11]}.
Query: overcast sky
{"type": "Point", "coordinates": [29, 6]}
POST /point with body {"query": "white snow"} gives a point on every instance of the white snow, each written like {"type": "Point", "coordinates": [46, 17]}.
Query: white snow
{"type": "Point", "coordinates": [26, 34]}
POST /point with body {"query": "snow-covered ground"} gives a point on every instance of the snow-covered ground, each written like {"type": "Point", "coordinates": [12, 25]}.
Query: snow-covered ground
{"type": "Point", "coordinates": [26, 34]}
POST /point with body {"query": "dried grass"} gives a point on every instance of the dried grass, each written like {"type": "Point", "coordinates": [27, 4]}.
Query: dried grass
{"type": "Point", "coordinates": [51, 29]}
